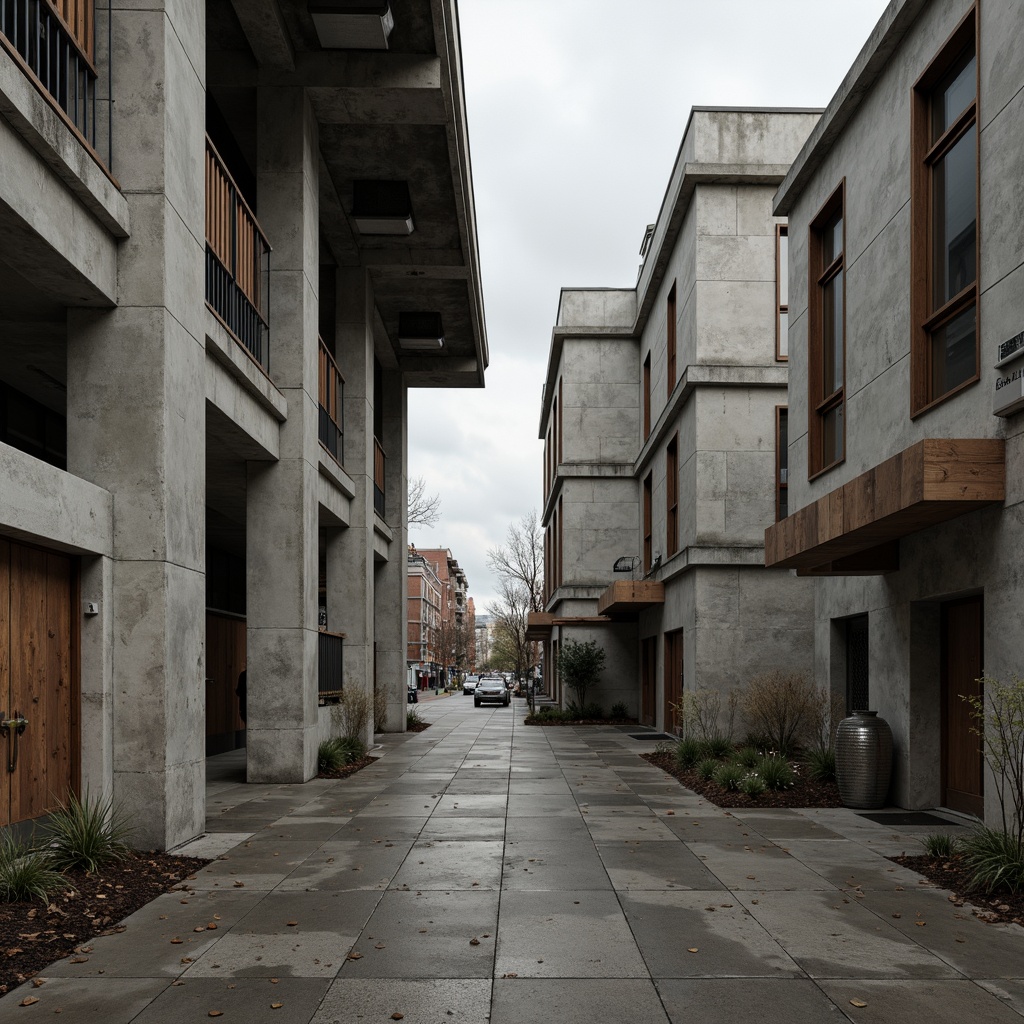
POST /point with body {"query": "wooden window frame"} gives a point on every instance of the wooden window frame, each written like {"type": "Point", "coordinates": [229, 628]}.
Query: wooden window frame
{"type": "Point", "coordinates": [781, 231]}
{"type": "Point", "coordinates": [670, 341]}
{"type": "Point", "coordinates": [648, 490]}
{"type": "Point", "coordinates": [925, 320]}
{"type": "Point", "coordinates": [672, 497]}
{"type": "Point", "coordinates": [819, 405]}
{"type": "Point", "coordinates": [560, 541]}
{"type": "Point", "coordinates": [780, 484]}
{"type": "Point", "coordinates": [647, 396]}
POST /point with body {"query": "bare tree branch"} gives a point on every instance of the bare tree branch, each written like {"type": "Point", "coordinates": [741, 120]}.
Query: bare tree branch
{"type": "Point", "coordinates": [521, 560]}
{"type": "Point", "coordinates": [424, 509]}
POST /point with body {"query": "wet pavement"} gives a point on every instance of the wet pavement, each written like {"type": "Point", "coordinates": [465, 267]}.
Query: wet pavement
{"type": "Point", "coordinates": [486, 871]}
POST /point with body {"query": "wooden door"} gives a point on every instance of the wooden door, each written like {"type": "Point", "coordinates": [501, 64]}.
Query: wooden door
{"type": "Point", "coordinates": [648, 679]}
{"type": "Point", "coordinates": [963, 766]}
{"type": "Point", "coordinates": [673, 679]}
{"type": "Point", "coordinates": [38, 682]}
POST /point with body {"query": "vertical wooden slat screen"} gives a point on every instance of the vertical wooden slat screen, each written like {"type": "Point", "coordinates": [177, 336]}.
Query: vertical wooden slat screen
{"type": "Point", "coordinates": [79, 17]}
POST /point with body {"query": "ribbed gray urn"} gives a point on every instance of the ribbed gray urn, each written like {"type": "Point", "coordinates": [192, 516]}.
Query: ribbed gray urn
{"type": "Point", "coordinates": [863, 759]}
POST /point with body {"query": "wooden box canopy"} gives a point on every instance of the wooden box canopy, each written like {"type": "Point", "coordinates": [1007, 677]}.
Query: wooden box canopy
{"type": "Point", "coordinates": [855, 529]}
{"type": "Point", "coordinates": [538, 625]}
{"type": "Point", "coordinates": [627, 598]}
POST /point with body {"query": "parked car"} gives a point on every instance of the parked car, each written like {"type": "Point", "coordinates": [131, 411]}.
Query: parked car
{"type": "Point", "coordinates": [493, 690]}
{"type": "Point", "coordinates": [469, 684]}
{"type": "Point", "coordinates": [414, 694]}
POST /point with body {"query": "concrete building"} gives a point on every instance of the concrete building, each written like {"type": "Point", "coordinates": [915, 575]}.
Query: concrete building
{"type": "Point", "coordinates": [906, 446]}
{"type": "Point", "coordinates": [235, 234]}
{"type": "Point", "coordinates": [660, 419]}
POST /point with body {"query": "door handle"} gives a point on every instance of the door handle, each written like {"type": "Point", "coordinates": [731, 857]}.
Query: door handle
{"type": "Point", "coordinates": [12, 728]}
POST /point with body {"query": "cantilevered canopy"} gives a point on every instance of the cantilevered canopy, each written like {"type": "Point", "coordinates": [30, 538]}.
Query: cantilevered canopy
{"type": "Point", "coordinates": [855, 529]}
{"type": "Point", "coordinates": [627, 598]}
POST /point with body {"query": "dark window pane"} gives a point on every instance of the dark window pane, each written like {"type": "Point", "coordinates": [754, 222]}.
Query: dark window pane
{"type": "Point", "coordinates": [955, 215]}
{"type": "Point", "coordinates": [954, 93]}
{"type": "Point", "coordinates": [857, 664]}
{"type": "Point", "coordinates": [832, 436]}
{"type": "Point", "coordinates": [832, 240]}
{"type": "Point", "coordinates": [832, 334]}
{"type": "Point", "coordinates": [953, 353]}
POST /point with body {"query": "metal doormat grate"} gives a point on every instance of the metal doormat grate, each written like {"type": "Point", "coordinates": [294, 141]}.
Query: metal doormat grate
{"type": "Point", "coordinates": [908, 818]}
{"type": "Point", "coordinates": [650, 736]}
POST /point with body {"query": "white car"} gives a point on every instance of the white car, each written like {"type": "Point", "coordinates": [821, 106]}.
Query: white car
{"type": "Point", "coordinates": [469, 684]}
{"type": "Point", "coordinates": [493, 690]}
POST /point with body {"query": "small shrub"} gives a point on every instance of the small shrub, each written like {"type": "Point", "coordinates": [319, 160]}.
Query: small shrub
{"type": "Point", "coordinates": [689, 752]}
{"type": "Point", "coordinates": [580, 666]}
{"type": "Point", "coordinates": [718, 746]}
{"type": "Point", "coordinates": [27, 875]}
{"type": "Point", "coordinates": [351, 715]}
{"type": "Point", "coordinates": [86, 834]}
{"type": "Point", "coordinates": [821, 764]}
{"type": "Point", "coordinates": [781, 705]}
{"type": "Point", "coordinates": [545, 709]}
{"type": "Point", "coordinates": [996, 859]}
{"type": "Point", "coordinates": [706, 769]}
{"type": "Point", "coordinates": [573, 711]}
{"type": "Point", "coordinates": [380, 709]}
{"type": "Point", "coordinates": [620, 710]}
{"type": "Point", "coordinates": [412, 718]}
{"type": "Point", "coordinates": [729, 776]}
{"type": "Point", "coordinates": [753, 785]}
{"type": "Point", "coordinates": [758, 740]}
{"type": "Point", "coordinates": [748, 756]}
{"type": "Point", "coordinates": [939, 844]}
{"type": "Point", "coordinates": [594, 711]}
{"type": "Point", "coordinates": [338, 752]}
{"type": "Point", "coordinates": [776, 773]}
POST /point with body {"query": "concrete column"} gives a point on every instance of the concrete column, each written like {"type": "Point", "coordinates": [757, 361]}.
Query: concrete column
{"type": "Point", "coordinates": [392, 586]}
{"type": "Point", "coordinates": [136, 421]}
{"type": "Point", "coordinates": [350, 563]}
{"type": "Point", "coordinates": [281, 531]}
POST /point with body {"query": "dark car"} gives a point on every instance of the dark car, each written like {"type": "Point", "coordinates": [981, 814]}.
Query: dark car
{"type": "Point", "coordinates": [493, 690]}
{"type": "Point", "coordinates": [414, 694]}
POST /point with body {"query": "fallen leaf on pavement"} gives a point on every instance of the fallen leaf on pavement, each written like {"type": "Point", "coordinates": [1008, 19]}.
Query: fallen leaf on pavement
{"type": "Point", "coordinates": [276, 1006]}
{"type": "Point", "coordinates": [28, 1001]}
{"type": "Point", "coordinates": [355, 956]}
{"type": "Point", "coordinates": [857, 1002]}
{"type": "Point", "coordinates": [474, 942]}
{"type": "Point", "coordinates": [692, 949]}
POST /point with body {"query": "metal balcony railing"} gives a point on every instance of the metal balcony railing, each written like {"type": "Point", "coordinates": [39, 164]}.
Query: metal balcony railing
{"type": "Point", "coordinates": [329, 669]}
{"type": "Point", "coordinates": [237, 261]}
{"type": "Point", "coordinates": [331, 389]}
{"type": "Point", "coordinates": [379, 464]}
{"type": "Point", "coordinates": [55, 43]}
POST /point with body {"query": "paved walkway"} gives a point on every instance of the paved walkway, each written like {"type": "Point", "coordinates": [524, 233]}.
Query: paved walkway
{"type": "Point", "coordinates": [485, 871]}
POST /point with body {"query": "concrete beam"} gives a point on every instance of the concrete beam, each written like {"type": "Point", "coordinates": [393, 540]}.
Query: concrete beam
{"type": "Point", "coordinates": [264, 28]}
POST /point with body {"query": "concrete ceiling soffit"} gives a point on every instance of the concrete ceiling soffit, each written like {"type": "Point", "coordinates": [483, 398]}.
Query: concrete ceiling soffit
{"type": "Point", "coordinates": [265, 30]}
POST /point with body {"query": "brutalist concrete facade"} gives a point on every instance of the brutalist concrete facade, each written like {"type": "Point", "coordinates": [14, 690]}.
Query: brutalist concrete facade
{"type": "Point", "coordinates": [910, 606]}
{"type": "Point", "coordinates": [708, 280]}
{"type": "Point", "coordinates": [199, 488]}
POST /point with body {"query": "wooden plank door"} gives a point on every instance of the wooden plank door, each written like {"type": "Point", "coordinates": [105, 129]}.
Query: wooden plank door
{"type": "Point", "coordinates": [963, 774]}
{"type": "Point", "coordinates": [40, 683]}
{"type": "Point", "coordinates": [673, 678]}
{"type": "Point", "coordinates": [648, 679]}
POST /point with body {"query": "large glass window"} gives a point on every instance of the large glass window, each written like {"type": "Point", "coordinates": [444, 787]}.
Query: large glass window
{"type": "Point", "coordinates": [945, 222]}
{"type": "Point", "coordinates": [827, 336]}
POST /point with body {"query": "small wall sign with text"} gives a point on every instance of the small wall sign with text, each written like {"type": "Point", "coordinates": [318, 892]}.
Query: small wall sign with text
{"type": "Point", "coordinates": [1008, 396]}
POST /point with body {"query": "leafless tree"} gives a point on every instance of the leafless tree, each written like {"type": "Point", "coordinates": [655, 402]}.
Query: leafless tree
{"type": "Point", "coordinates": [521, 560]}
{"type": "Point", "coordinates": [510, 612]}
{"type": "Point", "coordinates": [424, 509]}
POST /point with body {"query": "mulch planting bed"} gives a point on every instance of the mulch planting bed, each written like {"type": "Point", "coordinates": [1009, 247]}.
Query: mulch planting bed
{"type": "Point", "coordinates": [417, 726]}
{"type": "Point", "coordinates": [550, 720]}
{"type": "Point", "coordinates": [804, 794]}
{"type": "Point", "coordinates": [951, 873]}
{"type": "Point", "coordinates": [33, 936]}
{"type": "Point", "coordinates": [349, 769]}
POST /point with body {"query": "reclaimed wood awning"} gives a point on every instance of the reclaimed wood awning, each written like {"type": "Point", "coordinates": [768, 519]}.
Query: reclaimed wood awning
{"type": "Point", "coordinates": [627, 598]}
{"type": "Point", "coordinates": [855, 529]}
{"type": "Point", "coordinates": [538, 625]}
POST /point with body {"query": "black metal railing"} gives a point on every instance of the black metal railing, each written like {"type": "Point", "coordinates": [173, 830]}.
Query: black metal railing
{"type": "Point", "coordinates": [379, 464]}
{"type": "Point", "coordinates": [237, 261]}
{"type": "Point", "coordinates": [55, 42]}
{"type": "Point", "coordinates": [329, 670]}
{"type": "Point", "coordinates": [331, 388]}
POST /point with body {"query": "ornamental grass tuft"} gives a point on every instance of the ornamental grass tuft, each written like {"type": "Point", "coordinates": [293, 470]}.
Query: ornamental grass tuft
{"type": "Point", "coordinates": [27, 875]}
{"type": "Point", "coordinates": [87, 834]}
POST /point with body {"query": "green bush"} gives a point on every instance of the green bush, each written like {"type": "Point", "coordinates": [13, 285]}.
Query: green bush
{"type": "Point", "coordinates": [27, 875]}
{"type": "Point", "coordinates": [729, 775]}
{"type": "Point", "coordinates": [753, 785]}
{"type": "Point", "coordinates": [747, 756]}
{"type": "Point", "coordinates": [87, 834]}
{"type": "Point", "coordinates": [995, 858]}
{"type": "Point", "coordinates": [338, 752]}
{"type": "Point", "coordinates": [689, 752]}
{"type": "Point", "coordinates": [412, 718]}
{"type": "Point", "coordinates": [758, 740]}
{"type": "Point", "coordinates": [706, 769]}
{"type": "Point", "coordinates": [939, 844]}
{"type": "Point", "coordinates": [718, 746]}
{"type": "Point", "coordinates": [620, 711]}
{"type": "Point", "coordinates": [776, 772]}
{"type": "Point", "coordinates": [594, 711]}
{"type": "Point", "coordinates": [579, 666]}
{"type": "Point", "coordinates": [821, 764]}
{"type": "Point", "coordinates": [781, 705]}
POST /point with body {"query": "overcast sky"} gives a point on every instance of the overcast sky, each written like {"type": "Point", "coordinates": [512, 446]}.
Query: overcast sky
{"type": "Point", "coordinates": [576, 110]}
